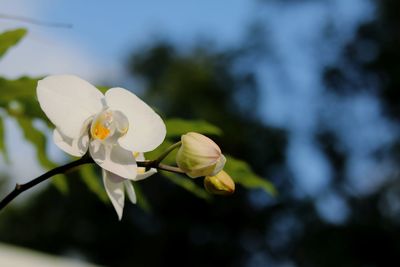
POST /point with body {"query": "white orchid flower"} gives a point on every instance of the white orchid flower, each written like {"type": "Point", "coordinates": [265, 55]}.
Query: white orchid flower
{"type": "Point", "coordinates": [116, 186]}
{"type": "Point", "coordinates": [111, 126]}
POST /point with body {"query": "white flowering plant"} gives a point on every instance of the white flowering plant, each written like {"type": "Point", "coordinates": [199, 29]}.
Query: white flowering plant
{"type": "Point", "coordinates": [116, 132]}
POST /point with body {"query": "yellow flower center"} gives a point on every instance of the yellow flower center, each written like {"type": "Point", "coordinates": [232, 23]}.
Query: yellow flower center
{"type": "Point", "coordinates": [109, 125]}
{"type": "Point", "coordinates": [99, 131]}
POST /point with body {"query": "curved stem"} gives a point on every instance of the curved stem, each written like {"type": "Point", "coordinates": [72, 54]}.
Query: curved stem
{"type": "Point", "coordinates": [154, 164]}
{"type": "Point", "coordinates": [19, 188]}
{"type": "Point", "coordinates": [166, 152]}
{"type": "Point", "coordinates": [169, 168]}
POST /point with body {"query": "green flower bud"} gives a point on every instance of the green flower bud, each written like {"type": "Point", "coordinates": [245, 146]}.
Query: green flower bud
{"type": "Point", "coordinates": [199, 156]}
{"type": "Point", "coordinates": [220, 184]}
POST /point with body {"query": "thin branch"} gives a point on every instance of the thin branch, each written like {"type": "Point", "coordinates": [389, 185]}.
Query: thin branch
{"type": "Point", "coordinates": [166, 152]}
{"type": "Point", "coordinates": [169, 168]}
{"type": "Point", "coordinates": [19, 188]}
{"type": "Point", "coordinates": [154, 164]}
{"type": "Point", "coordinates": [35, 21]}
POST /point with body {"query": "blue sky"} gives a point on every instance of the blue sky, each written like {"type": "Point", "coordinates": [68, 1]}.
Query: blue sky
{"type": "Point", "coordinates": [104, 32]}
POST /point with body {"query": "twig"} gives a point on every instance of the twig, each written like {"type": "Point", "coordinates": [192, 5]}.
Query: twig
{"type": "Point", "coordinates": [35, 21]}
{"type": "Point", "coordinates": [166, 152]}
{"type": "Point", "coordinates": [169, 168]}
{"type": "Point", "coordinates": [19, 188]}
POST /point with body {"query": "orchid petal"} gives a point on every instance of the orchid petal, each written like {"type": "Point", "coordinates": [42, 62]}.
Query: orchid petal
{"type": "Point", "coordinates": [68, 101]}
{"type": "Point", "coordinates": [75, 147]}
{"type": "Point", "coordinates": [114, 158]}
{"type": "Point", "coordinates": [141, 176]}
{"type": "Point", "coordinates": [130, 191]}
{"type": "Point", "coordinates": [115, 191]}
{"type": "Point", "coordinates": [146, 129]}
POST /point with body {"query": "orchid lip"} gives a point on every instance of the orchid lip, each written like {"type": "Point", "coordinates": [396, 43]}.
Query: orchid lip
{"type": "Point", "coordinates": [109, 125]}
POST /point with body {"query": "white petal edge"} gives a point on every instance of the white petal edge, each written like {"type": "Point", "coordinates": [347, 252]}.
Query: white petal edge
{"type": "Point", "coordinates": [147, 174]}
{"type": "Point", "coordinates": [115, 191]}
{"type": "Point", "coordinates": [130, 191]}
{"type": "Point", "coordinates": [68, 101]}
{"type": "Point", "coordinates": [74, 146]}
{"type": "Point", "coordinates": [114, 159]}
{"type": "Point", "coordinates": [146, 129]}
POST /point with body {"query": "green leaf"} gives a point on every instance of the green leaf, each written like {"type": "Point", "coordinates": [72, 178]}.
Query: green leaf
{"type": "Point", "coordinates": [18, 98]}
{"type": "Point", "coordinates": [242, 174]}
{"type": "Point", "coordinates": [38, 140]}
{"type": "Point", "coordinates": [23, 87]}
{"type": "Point", "coordinates": [188, 184]}
{"type": "Point", "coordinates": [93, 181]}
{"type": "Point", "coordinates": [177, 127]}
{"type": "Point", "coordinates": [3, 148]}
{"type": "Point", "coordinates": [10, 38]}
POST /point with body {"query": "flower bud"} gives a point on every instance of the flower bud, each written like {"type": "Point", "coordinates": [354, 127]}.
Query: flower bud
{"type": "Point", "coordinates": [199, 156]}
{"type": "Point", "coordinates": [220, 184]}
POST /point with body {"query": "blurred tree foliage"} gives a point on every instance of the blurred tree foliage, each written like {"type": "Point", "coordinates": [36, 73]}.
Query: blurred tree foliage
{"type": "Point", "coordinates": [369, 64]}
{"type": "Point", "coordinates": [207, 84]}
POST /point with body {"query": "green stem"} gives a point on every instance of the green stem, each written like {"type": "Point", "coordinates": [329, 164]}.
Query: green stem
{"type": "Point", "coordinates": [169, 168]}
{"type": "Point", "coordinates": [166, 152]}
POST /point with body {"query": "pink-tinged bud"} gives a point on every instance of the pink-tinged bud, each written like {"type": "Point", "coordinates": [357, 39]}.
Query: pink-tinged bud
{"type": "Point", "coordinates": [220, 184]}
{"type": "Point", "coordinates": [199, 156]}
